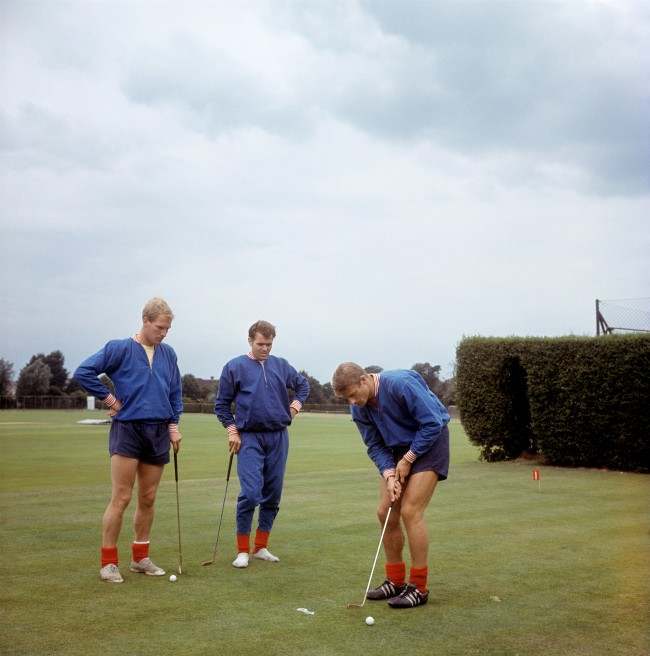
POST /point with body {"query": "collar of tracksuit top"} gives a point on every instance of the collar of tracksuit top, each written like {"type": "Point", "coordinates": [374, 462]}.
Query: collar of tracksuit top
{"type": "Point", "coordinates": [375, 380]}
{"type": "Point", "coordinates": [295, 404]}
{"type": "Point", "coordinates": [110, 400]}
{"type": "Point", "coordinates": [252, 357]}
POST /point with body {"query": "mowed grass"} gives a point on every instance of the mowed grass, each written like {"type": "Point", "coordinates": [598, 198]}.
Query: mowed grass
{"type": "Point", "coordinates": [513, 570]}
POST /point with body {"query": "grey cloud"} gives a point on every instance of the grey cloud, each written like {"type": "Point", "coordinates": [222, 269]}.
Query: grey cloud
{"type": "Point", "coordinates": [487, 77]}
{"type": "Point", "coordinates": [474, 78]}
{"type": "Point", "coordinates": [218, 93]}
{"type": "Point", "coordinates": [35, 136]}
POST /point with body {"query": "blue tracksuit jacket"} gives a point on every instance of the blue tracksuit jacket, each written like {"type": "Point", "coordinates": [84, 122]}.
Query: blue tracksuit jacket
{"type": "Point", "coordinates": [147, 393]}
{"type": "Point", "coordinates": [408, 413]}
{"type": "Point", "coordinates": [260, 392]}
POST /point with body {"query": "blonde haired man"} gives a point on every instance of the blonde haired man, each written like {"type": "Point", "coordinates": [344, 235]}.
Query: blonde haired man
{"type": "Point", "coordinates": [146, 409]}
{"type": "Point", "coordinates": [404, 426]}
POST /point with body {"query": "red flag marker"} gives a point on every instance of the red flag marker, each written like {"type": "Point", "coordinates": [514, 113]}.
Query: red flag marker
{"type": "Point", "coordinates": [537, 477]}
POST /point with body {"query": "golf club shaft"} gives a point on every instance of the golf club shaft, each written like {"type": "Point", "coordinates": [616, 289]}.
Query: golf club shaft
{"type": "Point", "coordinates": [178, 515]}
{"type": "Point", "coordinates": [223, 505]}
{"type": "Point", "coordinates": [381, 539]}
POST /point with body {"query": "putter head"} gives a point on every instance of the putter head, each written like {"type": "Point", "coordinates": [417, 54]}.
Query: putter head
{"type": "Point", "coordinates": [351, 605]}
{"type": "Point", "coordinates": [207, 562]}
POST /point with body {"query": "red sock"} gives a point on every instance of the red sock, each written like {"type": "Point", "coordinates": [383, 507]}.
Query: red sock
{"type": "Point", "coordinates": [396, 572]}
{"type": "Point", "coordinates": [109, 556]}
{"type": "Point", "coordinates": [140, 550]}
{"type": "Point", "coordinates": [261, 539]}
{"type": "Point", "coordinates": [243, 543]}
{"type": "Point", "coordinates": [418, 577]}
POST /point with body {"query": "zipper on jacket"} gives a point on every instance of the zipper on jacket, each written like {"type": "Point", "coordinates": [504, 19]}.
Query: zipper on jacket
{"type": "Point", "coordinates": [146, 357]}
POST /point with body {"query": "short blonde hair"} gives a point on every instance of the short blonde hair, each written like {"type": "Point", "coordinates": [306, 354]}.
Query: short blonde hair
{"type": "Point", "coordinates": [346, 374]}
{"type": "Point", "coordinates": [154, 307]}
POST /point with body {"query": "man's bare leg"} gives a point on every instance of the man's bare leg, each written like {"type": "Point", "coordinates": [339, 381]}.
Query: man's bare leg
{"type": "Point", "coordinates": [148, 480]}
{"type": "Point", "coordinates": [123, 472]}
{"type": "Point", "coordinates": [394, 536]}
{"type": "Point", "coordinates": [415, 499]}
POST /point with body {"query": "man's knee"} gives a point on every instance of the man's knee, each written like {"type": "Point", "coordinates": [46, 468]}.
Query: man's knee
{"type": "Point", "coordinates": [147, 498]}
{"type": "Point", "coordinates": [270, 504]}
{"type": "Point", "coordinates": [121, 499]}
{"type": "Point", "coordinates": [248, 500]}
{"type": "Point", "coordinates": [411, 513]}
{"type": "Point", "coordinates": [393, 520]}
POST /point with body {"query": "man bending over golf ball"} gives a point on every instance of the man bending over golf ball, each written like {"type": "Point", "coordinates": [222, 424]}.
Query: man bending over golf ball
{"type": "Point", "coordinates": [257, 433]}
{"type": "Point", "coordinates": [145, 410]}
{"type": "Point", "coordinates": [404, 426]}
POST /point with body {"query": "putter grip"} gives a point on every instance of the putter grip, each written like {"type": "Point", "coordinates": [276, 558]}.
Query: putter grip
{"type": "Point", "coordinates": [229, 467]}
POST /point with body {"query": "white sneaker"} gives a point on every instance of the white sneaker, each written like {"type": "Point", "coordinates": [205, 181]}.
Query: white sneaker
{"type": "Point", "coordinates": [241, 560]}
{"type": "Point", "coordinates": [265, 554]}
{"type": "Point", "coordinates": [146, 566]}
{"type": "Point", "coordinates": [111, 574]}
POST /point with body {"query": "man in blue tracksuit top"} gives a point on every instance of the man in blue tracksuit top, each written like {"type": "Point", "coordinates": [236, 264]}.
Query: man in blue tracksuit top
{"type": "Point", "coordinates": [257, 433]}
{"type": "Point", "coordinates": [146, 408]}
{"type": "Point", "coordinates": [404, 427]}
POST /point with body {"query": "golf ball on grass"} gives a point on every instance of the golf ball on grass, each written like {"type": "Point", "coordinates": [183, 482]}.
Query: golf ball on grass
{"type": "Point", "coordinates": [370, 620]}
{"type": "Point", "coordinates": [172, 578]}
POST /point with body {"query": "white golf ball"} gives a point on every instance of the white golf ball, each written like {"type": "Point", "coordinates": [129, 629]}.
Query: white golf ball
{"type": "Point", "coordinates": [370, 620]}
{"type": "Point", "coordinates": [172, 578]}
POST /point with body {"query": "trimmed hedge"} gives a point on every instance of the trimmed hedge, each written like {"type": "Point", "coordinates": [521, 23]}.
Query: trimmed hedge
{"type": "Point", "coordinates": [578, 401]}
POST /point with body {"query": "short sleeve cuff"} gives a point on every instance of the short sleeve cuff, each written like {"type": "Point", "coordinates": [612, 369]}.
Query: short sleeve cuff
{"type": "Point", "coordinates": [388, 473]}
{"type": "Point", "coordinates": [232, 430]}
{"type": "Point", "coordinates": [296, 405]}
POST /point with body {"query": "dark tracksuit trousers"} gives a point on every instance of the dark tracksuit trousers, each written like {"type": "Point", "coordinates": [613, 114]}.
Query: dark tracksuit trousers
{"type": "Point", "coordinates": [261, 464]}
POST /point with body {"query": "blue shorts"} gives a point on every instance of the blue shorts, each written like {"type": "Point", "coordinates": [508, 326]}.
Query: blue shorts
{"type": "Point", "coordinates": [144, 441]}
{"type": "Point", "coordinates": [435, 459]}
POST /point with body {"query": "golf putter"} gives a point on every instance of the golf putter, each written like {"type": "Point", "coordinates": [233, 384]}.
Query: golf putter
{"type": "Point", "coordinates": [372, 571]}
{"type": "Point", "coordinates": [223, 505]}
{"type": "Point", "coordinates": [178, 515]}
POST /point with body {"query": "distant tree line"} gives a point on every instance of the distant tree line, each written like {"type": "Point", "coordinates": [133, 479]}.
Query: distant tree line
{"type": "Point", "coordinates": [199, 389]}
{"type": "Point", "coordinates": [43, 375]}
{"type": "Point", "coordinates": [202, 390]}
{"type": "Point", "coordinates": [46, 375]}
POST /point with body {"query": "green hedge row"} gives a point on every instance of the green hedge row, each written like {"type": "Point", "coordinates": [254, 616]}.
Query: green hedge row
{"type": "Point", "coordinates": [578, 401]}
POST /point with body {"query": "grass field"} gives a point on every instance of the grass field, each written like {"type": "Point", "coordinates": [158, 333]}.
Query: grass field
{"type": "Point", "coordinates": [513, 570]}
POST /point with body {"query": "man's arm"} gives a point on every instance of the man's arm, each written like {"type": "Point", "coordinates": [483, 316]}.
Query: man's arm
{"type": "Point", "coordinates": [176, 402]}
{"type": "Point", "coordinates": [106, 360]}
{"type": "Point", "coordinates": [378, 452]}
{"type": "Point", "coordinates": [176, 393]}
{"type": "Point", "coordinates": [223, 408]}
{"type": "Point", "coordinates": [300, 385]}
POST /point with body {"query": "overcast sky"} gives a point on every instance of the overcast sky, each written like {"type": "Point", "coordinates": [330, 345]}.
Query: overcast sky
{"type": "Point", "coordinates": [377, 179]}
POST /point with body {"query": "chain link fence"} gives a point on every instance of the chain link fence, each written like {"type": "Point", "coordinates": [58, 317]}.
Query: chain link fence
{"type": "Point", "coordinates": [622, 315]}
